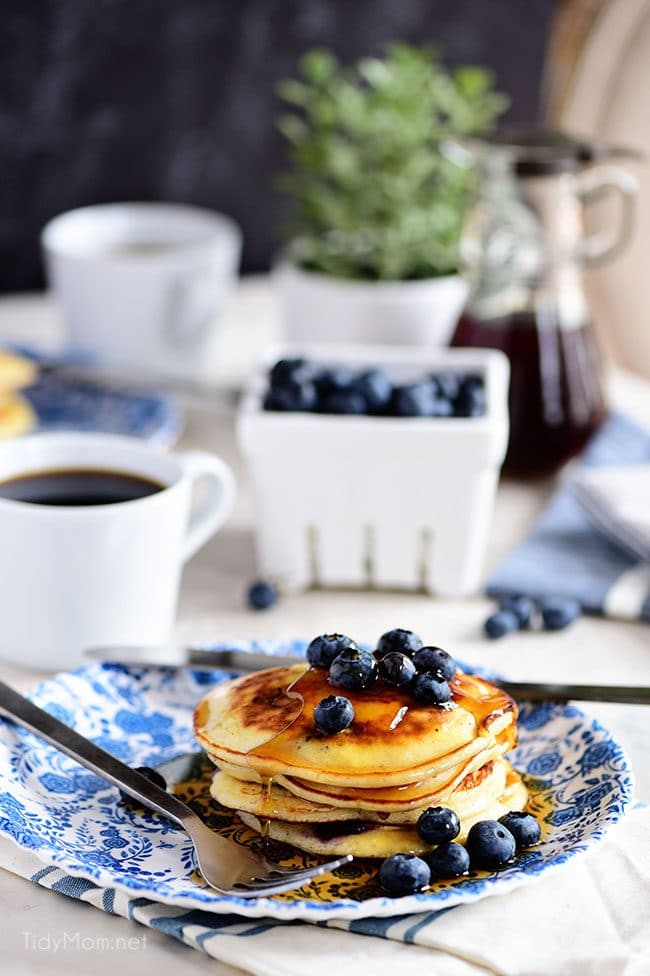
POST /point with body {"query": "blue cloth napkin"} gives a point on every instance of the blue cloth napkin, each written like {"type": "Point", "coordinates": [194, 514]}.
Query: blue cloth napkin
{"type": "Point", "coordinates": [567, 555]}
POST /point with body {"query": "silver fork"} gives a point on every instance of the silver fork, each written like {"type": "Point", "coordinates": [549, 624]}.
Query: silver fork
{"type": "Point", "coordinates": [226, 866]}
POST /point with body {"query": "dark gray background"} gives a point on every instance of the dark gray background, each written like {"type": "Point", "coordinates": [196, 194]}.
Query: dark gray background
{"type": "Point", "coordinates": [106, 100]}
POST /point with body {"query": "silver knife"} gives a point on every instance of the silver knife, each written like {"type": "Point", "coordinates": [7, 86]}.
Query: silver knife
{"type": "Point", "coordinates": [229, 659]}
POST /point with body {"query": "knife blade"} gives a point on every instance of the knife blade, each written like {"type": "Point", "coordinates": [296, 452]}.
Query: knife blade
{"type": "Point", "coordinates": [233, 660]}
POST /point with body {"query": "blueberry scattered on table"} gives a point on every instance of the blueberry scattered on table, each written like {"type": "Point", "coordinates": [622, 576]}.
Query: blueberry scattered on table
{"type": "Point", "coordinates": [398, 640]}
{"type": "Point", "coordinates": [353, 669]}
{"type": "Point", "coordinates": [501, 623]}
{"type": "Point", "coordinates": [301, 385]}
{"type": "Point", "coordinates": [490, 845]}
{"type": "Point", "coordinates": [152, 775]}
{"type": "Point", "coordinates": [522, 607]}
{"type": "Point", "coordinates": [522, 613]}
{"type": "Point", "coordinates": [558, 612]}
{"type": "Point", "coordinates": [333, 714]}
{"type": "Point", "coordinates": [262, 595]}
{"type": "Point", "coordinates": [438, 825]}
{"type": "Point", "coordinates": [430, 689]}
{"type": "Point", "coordinates": [404, 874]}
{"type": "Point", "coordinates": [397, 669]}
{"type": "Point", "coordinates": [324, 648]}
{"type": "Point", "coordinates": [448, 861]}
{"type": "Point", "coordinates": [435, 660]}
{"type": "Point", "coordinates": [523, 827]}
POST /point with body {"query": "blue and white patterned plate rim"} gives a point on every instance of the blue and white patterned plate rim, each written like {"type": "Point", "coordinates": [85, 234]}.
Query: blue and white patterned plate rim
{"type": "Point", "coordinates": [616, 781]}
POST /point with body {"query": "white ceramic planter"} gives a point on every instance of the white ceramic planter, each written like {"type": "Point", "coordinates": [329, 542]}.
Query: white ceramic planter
{"type": "Point", "coordinates": [376, 501]}
{"type": "Point", "coordinates": [323, 309]}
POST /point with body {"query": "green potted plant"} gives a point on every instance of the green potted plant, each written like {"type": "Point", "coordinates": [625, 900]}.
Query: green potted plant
{"type": "Point", "coordinates": [378, 206]}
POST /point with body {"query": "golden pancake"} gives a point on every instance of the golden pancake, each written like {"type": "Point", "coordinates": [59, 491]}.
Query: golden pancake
{"type": "Point", "coordinates": [263, 725]}
{"type": "Point", "coordinates": [374, 841]}
{"type": "Point", "coordinates": [16, 372]}
{"type": "Point", "coordinates": [16, 416]}
{"type": "Point", "coordinates": [475, 791]}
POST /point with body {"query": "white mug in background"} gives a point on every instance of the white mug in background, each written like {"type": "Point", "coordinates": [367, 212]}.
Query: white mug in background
{"type": "Point", "coordinates": [73, 577]}
{"type": "Point", "coordinates": [142, 285]}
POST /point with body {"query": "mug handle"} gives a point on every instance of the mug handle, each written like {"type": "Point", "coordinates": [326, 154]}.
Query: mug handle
{"type": "Point", "coordinates": [218, 502]}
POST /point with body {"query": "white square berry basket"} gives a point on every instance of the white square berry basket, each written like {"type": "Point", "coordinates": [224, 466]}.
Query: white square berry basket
{"type": "Point", "coordinates": [376, 502]}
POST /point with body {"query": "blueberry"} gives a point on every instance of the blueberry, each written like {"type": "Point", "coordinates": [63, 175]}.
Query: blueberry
{"type": "Point", "coordinates": [448, 384]}
{"type": "Point", "coordinates": [435, 660]}
{"type": "Point", "coordinates": [402, 641]}
{"type": "Point", "coordinates": [353, 669]}
{"type": "Point", "coordinates": [376, 388]}
{"type": "Point", "coordinates": [414, 399]}
{"type": "Point", "coordinates": [333, 714]}
{"type": "Point", "coordinates": [448, 861]}
{"type": "Point", "coordinates": [558, 612]}
{"type": "Point", "coordinates": [397, 669]}
{"type": "Point", "coordinates": [490, 844]}
{"type": "Point", "coordinates": [500, 623]}
{"type": "Point", "coordinates": [152, 775]}
{"type": "Point", "coordinates": [262, 595]}
{"type": "Point", "coordinates": [470, 401]}
{"type": "Point", "coordinates": [522, 607]}
{"type": "Point", "coordinates": [438, 825]}
{"type": "Point", "coordinates": [428, 689]}
{"type": "Point", "coordinates": [322, 650]}
{"type": "Point", "coordinates": [523, 827]}
{"type": "Point", "coordinates": [404, 874]}
{"type": "Point", "coordinates": [329, 379]}
{"type": "Point", "coordinates": [295, 395]}
{"type": "Point", "coordinates": [441, 407]}
{"type": "Point", "coordinates": [343, 401]}
{"type": "Point", "coordinates": [286, 370]}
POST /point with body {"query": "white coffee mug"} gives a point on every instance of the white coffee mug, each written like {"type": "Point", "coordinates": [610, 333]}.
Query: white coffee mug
{"type": "Point", "coordinates": [81, 576]}
{"type": "Point", "coordinates": [142, 285]}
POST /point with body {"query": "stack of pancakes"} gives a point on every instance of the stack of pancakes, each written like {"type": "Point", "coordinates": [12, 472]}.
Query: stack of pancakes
{"type": "Point", "coordinates": [16, 415]}
{"type": "Point", "coordinates": [362, 790]}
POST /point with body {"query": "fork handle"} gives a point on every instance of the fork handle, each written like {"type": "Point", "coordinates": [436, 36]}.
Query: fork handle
{"type": "Point", "coordinates": [25, 713]}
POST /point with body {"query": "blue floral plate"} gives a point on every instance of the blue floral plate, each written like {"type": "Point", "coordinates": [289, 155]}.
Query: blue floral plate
{"type": "Point", "coordinates": [579, 780]}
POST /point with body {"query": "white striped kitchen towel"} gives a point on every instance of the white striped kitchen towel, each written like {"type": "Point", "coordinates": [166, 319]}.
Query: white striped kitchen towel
{"type": "Point", "coordinates": [591, 915]}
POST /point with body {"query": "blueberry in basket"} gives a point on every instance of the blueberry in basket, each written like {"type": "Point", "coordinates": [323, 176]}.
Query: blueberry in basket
{"type": "Point", "coordinates": [299, 384]}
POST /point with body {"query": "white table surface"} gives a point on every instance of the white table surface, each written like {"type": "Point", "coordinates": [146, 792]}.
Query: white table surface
{"type": "Point", "coordinates": [212, 607]}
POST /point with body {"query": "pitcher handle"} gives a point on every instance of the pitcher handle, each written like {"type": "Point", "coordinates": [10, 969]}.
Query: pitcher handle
{"type": "Point", "coordinates": [594, 184]}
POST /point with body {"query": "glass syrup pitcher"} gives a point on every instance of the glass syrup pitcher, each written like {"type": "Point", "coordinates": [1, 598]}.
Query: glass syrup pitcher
{"type": "Point", "coordinates": [523, 249]}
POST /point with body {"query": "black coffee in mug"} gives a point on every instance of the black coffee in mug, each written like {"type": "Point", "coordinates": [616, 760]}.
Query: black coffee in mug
{"type": "Point", "coordinates": [78, 487]}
